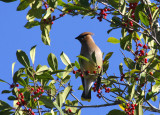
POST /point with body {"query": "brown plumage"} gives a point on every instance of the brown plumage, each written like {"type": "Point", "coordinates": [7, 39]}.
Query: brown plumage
{"type": "Point", "coordinates": [87, 49]}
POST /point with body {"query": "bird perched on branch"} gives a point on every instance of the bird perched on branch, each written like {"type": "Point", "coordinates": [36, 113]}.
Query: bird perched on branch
{"type": "Point", "coordinates": [91, 69]}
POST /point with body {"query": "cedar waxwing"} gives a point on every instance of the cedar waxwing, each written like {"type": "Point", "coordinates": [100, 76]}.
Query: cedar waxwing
{"type": "Point", "coordinates": [87, 49]}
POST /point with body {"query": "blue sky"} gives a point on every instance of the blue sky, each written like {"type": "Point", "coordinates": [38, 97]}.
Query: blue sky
{"type": "Point", "coordinates": [14, 36]}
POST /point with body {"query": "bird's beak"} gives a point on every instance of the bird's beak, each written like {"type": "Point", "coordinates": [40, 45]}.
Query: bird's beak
{"type": "Point", "coordinates": [77, 38]}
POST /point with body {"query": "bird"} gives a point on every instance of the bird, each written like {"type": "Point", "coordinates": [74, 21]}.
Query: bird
{"type": "Point", "coordinates": [88, 49]}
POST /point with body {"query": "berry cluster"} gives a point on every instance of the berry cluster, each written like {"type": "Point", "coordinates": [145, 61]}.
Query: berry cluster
{"type": "Point", "coordinates": [139, 53]}
{"type": "Point", "coordinates": [132, 6]}
{"type": "Point", "coordinates": [81, 74]}
{"type": "Point", "coordinates": [103, 14]}
{"type": "Point", "coordinates": [130, 108]}
{"type": "Point", "coordinates": [49, 20]}
{"type": "Point", "coordinates": [14, 85]}
{"type": "Point", "coordinates": [107, 90]}
{"type": "Point", "coordinates": [37, 92]}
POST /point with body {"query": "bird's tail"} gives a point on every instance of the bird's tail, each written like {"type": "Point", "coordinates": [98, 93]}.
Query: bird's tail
{"type": "Point", "coordinates": [86, 97]}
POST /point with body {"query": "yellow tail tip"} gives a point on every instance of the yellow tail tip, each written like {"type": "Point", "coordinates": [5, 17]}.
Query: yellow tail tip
{"type": "Point", "coordinates": [83, 99]}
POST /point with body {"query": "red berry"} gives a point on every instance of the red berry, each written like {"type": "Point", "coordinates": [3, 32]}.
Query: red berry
{"type": "Point", "coordinates": [35, 92]}
{"type": "Point", "coordinates": [142, 85]}
{"type": "Point", "coordinates": [135, 105]}
{"type": "Point", "coordinates": [136, 79]}
{"type": "Point", "coordinates": [17, 85]}
{"type": "Point", "coordinates": [125, 109]}
{"type": "Point", "coordinates": [21, 94]}
{"type": "Point", "coordinates": [121, 79]}
{"type": "Point", "coordinates": [88, 72]}
{"type": "Point", "coordinates": [51, 9]}
{"type": "Point", "coordinates": [145, 46]}
{"type": "Point", "coordinates": [69, 110]}
{"type": "Point", "coordinates": [140, 44]}
{"type": "Point", "coordinates": [95, 83]}
{"type": "Point", "coordinates": [128, 104]}
{"type": "Point", "coordinates": [22, 97]}
{"type": "Point", "coordinates": [18, 103]}
{"type": "Point", "coordinates": [34, 99]}
{"type": "Point", "coordinates": [18, 90]}
{"type": "Point", "coordinates": [137, 39]}
{"type": "Point", "coordinates": [109, 89]}
{"type": "Point", "coordinates": [133, 108]}
{"type": "Point", "coordinates": [146, 54]}
{"type": "Point", "coordinates": [105, 9]}
{"type": "Point", "coordinates": [32, 88]}
{"type": "Point", "coordinates": [102, 11]}
{"type": "Point", "coordinates": [11, 86]}
{"type": "Point", "coordinates": [52, 22]}
{"type": "Point", "coordinates": [132, 105]}
{"type": "Point", "coordinates": [131, 23]}
{"type": "Point", "coordinates": [151, 73]}
{"type": "Point", "coordinates": [74, 72]}
{"type": "Point", "coordinates": [54, 17]}
{"type": "Point", "coordinates": [99, 66]}
{"type": "Point", "coordinates": [104, 17]}
{"type": "Point", "coordinates": [32, 95]}
{"type": "Point", "coordinates": [142, 52]}
{"type": "Point", "coordinates": [79, 70]}
{"type": "Point", "coordinates": [33, 113]}
{"type": "Point", "coordinates": [145, 60]}
{"type": "Point", "coordinates": [149, 90]}
{"type": "Point", "coordinates": [42, 91]}
{"type": "Point", "coordinates": [104, 85]}
{"type": "Point", "coordinates": [94, 72]}
{"type": "Point", "coordinates": [94, 89]}
{"type": "Point", "coordinates": [108, 9]}
{"type": "Point", "coordinates": [99, 91]}
{"type": "Point", "coordinates": [81, 75]}
{"type": "Point", "coordinates": [136, 52]}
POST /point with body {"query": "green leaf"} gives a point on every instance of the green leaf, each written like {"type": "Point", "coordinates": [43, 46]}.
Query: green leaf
{"type": "Point", "coordinates": [65, 94]}
{"type": "Point", "coordinates": [94, 57]}
{"type": "Point", "coordinates": [22, 58]}
{"type": "Point", "coordinates": [66, 79]}
{"type": "Point", "coordinates": [59, 109]}
{"type": "Point", "coordinates": [65, 59]}
{"type": "Point", "coordinates": [143, 18]}
{"type": "Point", "coordinates": [47, 101]}
{"type": "Point", "coordinates": [4, 105]}
{"type": "Point", "coordinates": [11, 98]}
{"type": "Point", "coordinates": [52, 3]}
{"type": "Point", "coordinates": [116, 112]}
{"type": "Point", "coordinates": [155, 15]}
{"type": "Point", "coordinates": [7, 1]}
{"type": "Point", "coordinates": [45, 36]}
{"type": "Point", "coordinates": [129, 63]}
{"type": "Point", "coordinates": [81, 87]}
{"type": "Point", "coordinates": [32, 53]}
{"type": "Point", "coordinates": [114, 3]}
{"type": "Point", "coordinates": [31, 24]}
{"type": "Point", "coordinates": [105, 65]}
{"type": "Point", "coordinates": [3, 81]}
{"type": "Point", "coordinates": [42, 69]}
{"type": "Point", "coordinates": [35, 12]}
{"type": "Point", "coordinates": [68, 69]}
{"type": "Point", "coordinates": [13, 64]}
{"type": "Point", "coordinates": [47, 113]}
{"type": "Point", "coordinates": [22, 82]}
{"type": "Point", "coordinates": [149, 95]}
{"type": "Point", "coordinates": [122, 99]}
{"type": "Point", "coordinates": [6, 91]}
{"type": "Point", "coordinates": [154, 98]}
{"type": "Point", "coordinates": [126, 41]}
{"type": "Point", "coordinates": [84, 3]}
{"type": "Point", "coordinates": [44, 76]}
{"type": "Point", "coordinates": [113, 40]}
{"type": "Point", "coordinates": [131, 91]}
{"type": "Point", "coordinates": [23, 4]}
{"type": "Point", "coordinates": [108, 56]}
{"type": "Point", "coordinates": [82, 57]}
{"type": "Point", "coordinates": [139, 8]}
{"type": "Point", "coordinates": [115, 90]}
{"type": "Point", "coordinates": [121, 68]}
{"type": "Point", "coordinates": [52, 61]}
{"type": "Point", "coordinates": [77, 65]}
